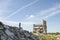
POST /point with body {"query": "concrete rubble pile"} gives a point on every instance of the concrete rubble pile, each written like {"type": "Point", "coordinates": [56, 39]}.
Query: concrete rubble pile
{"type": "Point", "coordinates": [15, 33]}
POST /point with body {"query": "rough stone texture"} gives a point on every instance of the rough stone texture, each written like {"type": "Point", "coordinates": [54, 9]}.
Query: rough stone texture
{"type": "Point", "coordinates": [14, 33]}
{"type": "Point", "coordinates": [40, 28]}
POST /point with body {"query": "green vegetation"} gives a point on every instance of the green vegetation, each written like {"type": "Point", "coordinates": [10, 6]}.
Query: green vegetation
{"type": "Point", "coordinates": [57, 33]}
{"type": "Point", "coordinates": [50, 36]}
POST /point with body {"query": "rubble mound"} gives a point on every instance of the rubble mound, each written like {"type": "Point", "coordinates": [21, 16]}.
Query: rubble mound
{"type": "Point", "coordinates": [14, 33]}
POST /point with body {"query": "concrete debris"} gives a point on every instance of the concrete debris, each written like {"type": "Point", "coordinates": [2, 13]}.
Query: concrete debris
{"type": "Point", "coordinates": [15, 33]}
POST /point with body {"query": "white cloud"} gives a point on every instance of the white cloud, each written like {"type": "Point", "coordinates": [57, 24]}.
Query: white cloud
{"type": "Point", "coordinates": [52, 14]}
{"type": "Point", "coordinates": [47, 11]}
{"type": "Point", "coordinates": [25, 25]}
{"type": "Point", "coordinates": [4, 4]}
{"type": "Point", "coordinates": [22, 8]}
{"type": "Point", "coordinates": [11, 23]}
{"type": "Point", "coordinates": [51, 11]}
{"type": "Point", "coordinates": [29, 17]}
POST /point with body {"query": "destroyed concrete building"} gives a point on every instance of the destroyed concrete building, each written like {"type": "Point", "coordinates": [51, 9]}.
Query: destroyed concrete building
{"type": "Point", "coordinates": [14, 33]}
{"type": "Point", "coordinates": [37, 28]}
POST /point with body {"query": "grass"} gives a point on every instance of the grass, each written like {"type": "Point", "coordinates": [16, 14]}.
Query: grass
{"type": "Point", "coordinates": [50, 37]}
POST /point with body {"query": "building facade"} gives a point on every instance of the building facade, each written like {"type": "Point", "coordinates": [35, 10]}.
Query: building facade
{"type": "Point", "coordinates": [37, 28]}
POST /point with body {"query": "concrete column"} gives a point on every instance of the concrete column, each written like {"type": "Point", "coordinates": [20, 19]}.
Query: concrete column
{"type": "Point", "coordinates": [19, 26]}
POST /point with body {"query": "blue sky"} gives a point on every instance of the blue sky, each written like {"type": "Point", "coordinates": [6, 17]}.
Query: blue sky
{"type": "Point", "coordinates": [30, 12]}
